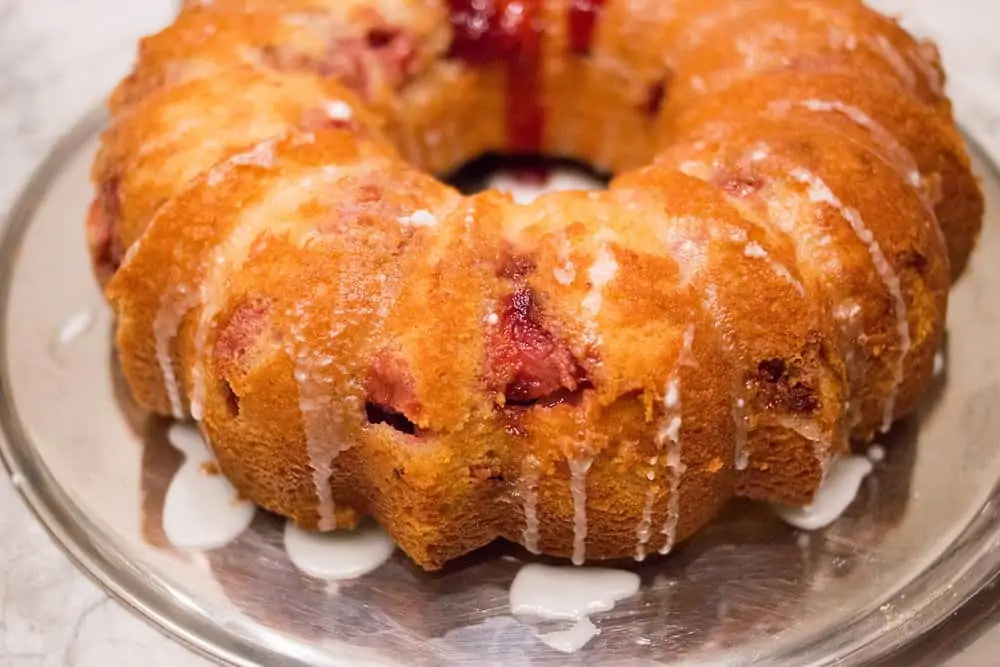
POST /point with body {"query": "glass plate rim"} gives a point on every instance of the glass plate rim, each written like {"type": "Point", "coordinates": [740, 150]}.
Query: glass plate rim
{"type": "Point", "coordinates": [920, 605]}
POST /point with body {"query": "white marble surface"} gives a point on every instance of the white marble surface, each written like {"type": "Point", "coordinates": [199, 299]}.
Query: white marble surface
{"type": "Point", "coordinates": [57, 59]}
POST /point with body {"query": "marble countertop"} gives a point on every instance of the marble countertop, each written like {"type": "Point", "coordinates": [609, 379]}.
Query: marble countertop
{"type": "Point", "coordinates": [60, 57]}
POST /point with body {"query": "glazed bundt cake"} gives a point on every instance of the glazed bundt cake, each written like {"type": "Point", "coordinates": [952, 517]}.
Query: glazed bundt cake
{"type": "Point", "coordinates": [592, 374]}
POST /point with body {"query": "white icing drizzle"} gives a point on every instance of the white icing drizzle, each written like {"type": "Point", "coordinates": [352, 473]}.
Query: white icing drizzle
{"type": "Point", "coordinates": [738, 406]}
{"type": "Point", "coordinates": [834, 495]}
{"type": "Point", "coordinates": [261, 155]}
{"type": "Point", "coordinates": [677, 469]}
{"type": "Point", "coordinates": [847, 314]}
{"type": "Point", "coordinates": [77, 325]}
{"type": "Point", "coordinates": [810, 430]}
{"type": "Point", "coordinates": [701, 25]}
{"type": "Point", "coordinates": [572, 639]}
{"type": "Point", "coordinates": [756, 251]}
{"type": "Point", "coordinates": [923, 63]}
{"type": "Point", "coordinates": [897, 154]}
{"type": "Point", "coordinates": [322, 422]}
{"type": "Point", "coordinates": [738, 410]}
{"type": "Point", "coordinates": [197, 398]}
{"type": "Point", "coordinates": [819, 192]}
{"type": "Point", "coordinates": [168, 138]}
{"type": "Point", "coordinates": [690, 257]}
{"type": "Point", "coordinates": [419, 218]}
{"type": "Point", "coordinates": [529, 496]}
{"type": "Point", "coordinates": [338, 110]}
{"type": "Point", "coordinates": [210, 291]}
{"type": "Point", "coordinates": [211, 295]}
{"type": "Point", "coordinates": [165, 325]}
{"type": "Point", "coordinates": [578, 469]}
{"type": "Point", "coordinates": [875, 453]}
{"type": "Point", "coordinates": [761, 151]}
{"type": "Point", "coordinates": [939, 363]}
{"type": "Point", "coordinates": [322, 407]}
{"type": "Point", "coordinates": [565, 271]}
{"type": "Point", "coordinates": [695, 169]}
{"type": "Point", "coordinates": [344, 554]}
{"type": "Point", "coordinates": [817, 247]}
{"type": "Point", "coordinates": [133, 249]}
{"type": "Point", "coordinates": [201, 510]}
{"type": "Point", "coordinates": [569, 594]}
{"type": "Point", "coordinates": [232, 251]}
{"type": "Point", "coordinates": [820, 247]}
{"type": "Point", "coordinates": [600, 273]}
{"type": "Point", "coordinates": [892, 56]}
{"type": "Point", "coordinates": [669, 437]}
{"type": "Point", "coordinates": [645, 528]}
{"type": "Point", "coordinates": [314, 400]}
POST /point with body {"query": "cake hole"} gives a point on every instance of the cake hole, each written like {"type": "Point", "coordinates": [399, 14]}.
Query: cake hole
{"type": "Point", "coordinates": [527, 362]}
{"type": "Point", "coordinates": [913, 260]}
{"type": "Point", "coordinates": [486, 472]}
{"type": "Point", "coordinates": [379, 38]}
{"type": "Point", "coordinates": [525, 177]}
{"type": "Point", "coordinates": [654, 98]}
{"type": "Point", "coordinates": [378, 414]}
{"type": "Point", "coordinates": [771, 370]}
{"type": "Point", "coordinates": [560, 396]}
{"type": "Point", "coordinates": [784, 386]}
{"type": "Point", "coordinates": [232, 400]}
{"type": "Point", "coordinates": [103, 229]}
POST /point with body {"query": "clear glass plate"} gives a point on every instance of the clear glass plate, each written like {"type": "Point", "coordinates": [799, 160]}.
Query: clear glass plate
{"type": "Point", "coordinates": [919, 540]}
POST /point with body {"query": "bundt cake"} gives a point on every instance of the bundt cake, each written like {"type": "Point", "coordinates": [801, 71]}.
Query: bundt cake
{"type": "Point", "coordinates": [591, 375]}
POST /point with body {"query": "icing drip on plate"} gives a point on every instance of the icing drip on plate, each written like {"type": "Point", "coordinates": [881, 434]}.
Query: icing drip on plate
{"type": "Point", "coordinates": [74, 327]}
{"type": "Point", "coordinates": [569, 594]}
{"type": "Point", "coordinates": [201, 510]}
{"type": "Point", "coordinates": [344, 554]}
{"type": "Point", "coordinates": [834, 495]}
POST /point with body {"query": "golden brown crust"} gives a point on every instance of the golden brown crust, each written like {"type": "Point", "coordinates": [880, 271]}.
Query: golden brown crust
{"type": "Point", "coordinates": [591, 374]}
